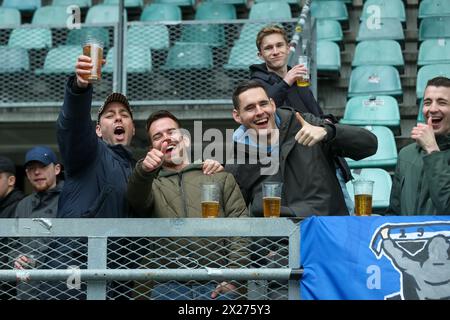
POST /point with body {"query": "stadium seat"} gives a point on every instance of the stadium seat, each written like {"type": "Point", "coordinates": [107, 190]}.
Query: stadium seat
{"type": "Point", "coordinates": [30, 38]}
{"type": "Point", "coordinates": [161, 12]}
{"type": "Point", "coordinates": [381, 187]}
{"type": "Point", "coordinates": [333, 10]}
{"type": "Point", "coordinates": [433, 8]}
{"type": "Point", "coordinates": [79, 3]}
{"type": "Point", "coordinates": [328, 57]}
{"type": "Point", "coordinates": [212, 34]}
{"type": "Point", "coordinates": [270, 11]}
{"type": "Point", "coordinates": [103, 14]}
{"type": "Point", "coordinates": [13, 60]}
{"type": "Point", "coordinates": [390, 29]}
{"type": "Point", "coordinates": [149, 36]}
{"type": "Point", "coordinates": [378, 52]}
{"type": "Point", "coordinates": [375, 80]}
{"type": "Point", "coordinates": [183, 3]}
{"type": "Point", "coordinates": [249, 31]}
{"type": "Point", "coordinates": [386, 155]}
{"type": "Point", "coordinates": [10, 17]}
{"type": "Point", "coordinates": [77, 37]}
{"type": "Point", "coordinates": [372, 110]}
{"type": "Point", "coordinates": [434, 28]}
{"type": "Point", "coordinates": [434, 51]}
{"type": "Point", "coordinates": [139, 60]}
{"type": "Point", "coordinates": [127, 3]}
{"type": "Point", "coordinates": [242, 55]}
{"type": "Point", "coordinates": [237, 2]}
{"type": "Point", "coordinates": [330, 30]}
{"type": "Point", "coordinates": [60, 60]}
{"type": "Point", "coordinates": [428, 72]}
{"type": "Point", "coordinates": [50, 15]}
{"type": "Point", "coordinates": [388, 9]}
{"type": "Point", "coordinates": [189, 56]}
{"type": "Point", "coordinates": [420, 116]}
{"type": "Point", "coordinates": [23, 5]}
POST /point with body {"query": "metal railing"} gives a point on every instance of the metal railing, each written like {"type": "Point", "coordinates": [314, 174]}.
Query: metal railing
{"type": "Point", "coordinates": [150, 258]}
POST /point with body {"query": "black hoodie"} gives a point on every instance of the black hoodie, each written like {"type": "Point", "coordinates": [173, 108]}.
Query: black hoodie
{"type": "Point", "coordinates": [9, 203]}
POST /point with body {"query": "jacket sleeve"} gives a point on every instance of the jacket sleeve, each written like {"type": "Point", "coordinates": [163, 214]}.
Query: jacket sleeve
{"type": "Point", "coordinates": [77, 140]}
{"type": "Point", "coordinates": [352, 142]}
{"type": "Point", "coordinates": [437, 173]}
{"type": "Point", "coordinates": [394, 200]}
{"type": "Point", "coordinates": [139, 190]}
{"type": "Point", "coordinates": [277, 91]}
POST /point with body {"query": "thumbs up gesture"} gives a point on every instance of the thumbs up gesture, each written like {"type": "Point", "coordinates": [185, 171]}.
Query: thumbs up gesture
{"type": "Point", "coordinates": [309, 135]}
{"type": "Point", "coordinates": [154, 158]}
{"type": "Point", "coordinates": [424, 136]}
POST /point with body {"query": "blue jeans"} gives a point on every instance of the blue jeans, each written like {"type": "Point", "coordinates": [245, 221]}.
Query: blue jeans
{"type": "Point", "coordinates": [174, 290]}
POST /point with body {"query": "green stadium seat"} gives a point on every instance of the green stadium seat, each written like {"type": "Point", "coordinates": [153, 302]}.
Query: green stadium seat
{"type": "Point", "coordinates": [249, 31]}
{"type": "Point", "coordinates": [386, 155]}
{"type": "Point", "coordinates": [60, 60]}
{"type": "Point", "coordinates": [237, 2]}
{"type": "Point", "coordinates": [378, 52]}
{"type": "Point", "coordinates": [13, 60]}
{"type": "Point", "coordinates": [420, 116]}
{"type": "Point", "coordinates": [434, 51]}
{"type": "Point", "coordinates": [149, 36]}
{"type": "Point", "coordinates": [390, 29]}
{"type": "Point", "coordinates": [79, 3]}
{"type": "Point", "coordinates": [127, 3]}
{"type": "Point", "coordinates": [434, 28]}
{"type": "Point", "coordinates": [139, 60]}
{"type": "Point", "coordinates": [372, 110]}
{"type": "Point", "coordinates": [77, 37]}
{"type": "Point", "coordinates": [381, 187]}
{"type": "Point", "coordinates": [287, 1]}
{"type": "Point", "coordinates": [183, 3]}
{"type": "Point", "coordinates": [161, 12]}
{"type": "Point", "coordinates": [330, 30]}
{"type": "Point", "coordinates": [189, 56]}
{"type": "Point", "coordinates": [433, 8]}
{"type": "Point", "coordinates": [388, 9]}
{"type": "Point", "coordinates": [10, 17]}
{"type": "Point", "coordinates": [22, 5]}
{"type": "Point", "coordinates": [344, 1]}
{"type": "Point", "coordinates": [103, 14]}
{"type": "Point", "coordinates": [429, 72]}
{"type": "Point", "coordinates": [375, 80]}
{"type": "Point", "coordinates": [242, 55]}
{"type": "Point", "coordinates": [328, 57]}
{"type": "Point", "coordinates": [50, 15]}
{"type": "Point", "coordinates": [212, 34]}
{"type": "Point", "coordinates": [333, 10]}
{"type": "Point", "coordinates": [30, 38]}
{"type": "Point", "coordinates": [270, 11]}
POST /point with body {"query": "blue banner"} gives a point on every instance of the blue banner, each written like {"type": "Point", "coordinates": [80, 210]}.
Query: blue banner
{"type": "Point", "coordinates": [376, 258]}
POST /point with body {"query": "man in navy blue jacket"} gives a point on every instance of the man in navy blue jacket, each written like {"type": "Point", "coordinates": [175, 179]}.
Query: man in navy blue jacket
{"type": "Point", "coordinates": [96, 159]}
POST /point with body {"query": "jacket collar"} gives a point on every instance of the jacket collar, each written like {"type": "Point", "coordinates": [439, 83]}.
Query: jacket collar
{"type": "Point", "coordinates": [197, 165]}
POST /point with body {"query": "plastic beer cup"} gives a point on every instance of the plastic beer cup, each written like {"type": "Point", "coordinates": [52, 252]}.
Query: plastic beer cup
{"type": "Point", "coordinates": [93, 48]}
{"type": "Point", "coordinates": [271, 199]}
{"type": "Point", "coordinates": [210, 200]}
{"type": "Point", "coordinates": [304, 81]}
{"type": "Point", "coordinates": [363, 190]}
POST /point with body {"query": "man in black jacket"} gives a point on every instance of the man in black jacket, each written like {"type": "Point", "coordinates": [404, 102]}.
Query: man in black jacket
{"type": "Point", "coordinates": [9, 195]}
{"type": "Point", "coordinates": [301, 153]}
{"type": "Point", "coordinates": [279, 80]}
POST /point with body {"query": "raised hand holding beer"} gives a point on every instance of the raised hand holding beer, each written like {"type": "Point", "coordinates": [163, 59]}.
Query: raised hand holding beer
{"type": "Point", "coordinates": [89, 65]}
{"type": "Point", "coordinates": [309, 135]}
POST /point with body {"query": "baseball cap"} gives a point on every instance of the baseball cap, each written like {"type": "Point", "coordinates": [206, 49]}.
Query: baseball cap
{"type": "Point", "coordinates": [42, 154]}
{"type": "Point", "coordinates": [6, 165]}
{"type": "Point", "coordinates": [114, 97]}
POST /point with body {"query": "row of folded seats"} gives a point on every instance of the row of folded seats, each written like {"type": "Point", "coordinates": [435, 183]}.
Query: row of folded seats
{"type": "Point", "coordinates": [375, 87]}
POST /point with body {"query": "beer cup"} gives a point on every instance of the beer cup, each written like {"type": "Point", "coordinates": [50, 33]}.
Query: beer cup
{"type": "Point", "coordinates": [271, 199]}
{"type": "Point", "coordinates": [304, 81]}
{"type": "Point", "coordinates": [363, 197]}
{"type": "Point", "coordinates": [93, 48]}
{"type": "Point", "coordinates": [210, 200]}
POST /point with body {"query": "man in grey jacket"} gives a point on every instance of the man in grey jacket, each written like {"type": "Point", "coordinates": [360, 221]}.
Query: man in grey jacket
{"type": "Point", "coordinates": [42, 169]}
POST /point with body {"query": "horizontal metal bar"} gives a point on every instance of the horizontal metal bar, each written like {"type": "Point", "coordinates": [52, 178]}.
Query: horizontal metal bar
{"type": "Point", "coordinates": [206, 274]}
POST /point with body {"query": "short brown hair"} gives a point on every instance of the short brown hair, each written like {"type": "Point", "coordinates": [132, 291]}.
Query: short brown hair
{"type": "Point", "coordinates": [159, 115]}
{"type": "Point", "coordinates": [439, 82]}
{"type": "Point", "coordinates": [244, 86]}
{"type": "Point", "coordinates": [268, 30]}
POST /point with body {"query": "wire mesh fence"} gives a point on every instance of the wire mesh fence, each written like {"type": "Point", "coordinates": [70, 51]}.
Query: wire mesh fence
{"type": "Point", "coordinates": [157, 259]}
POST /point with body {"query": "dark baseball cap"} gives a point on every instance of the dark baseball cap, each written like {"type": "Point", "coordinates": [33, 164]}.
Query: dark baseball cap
{"type": "Point", "coordinates": [6, 165]}
{"type": "Point", "coordinates": [114, 97]}
{"type": "Point", "coordinates": [41, 154]}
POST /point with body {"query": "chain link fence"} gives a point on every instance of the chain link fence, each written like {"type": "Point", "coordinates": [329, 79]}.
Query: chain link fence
{"type": "Point", "coordinates": [158, 259]}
